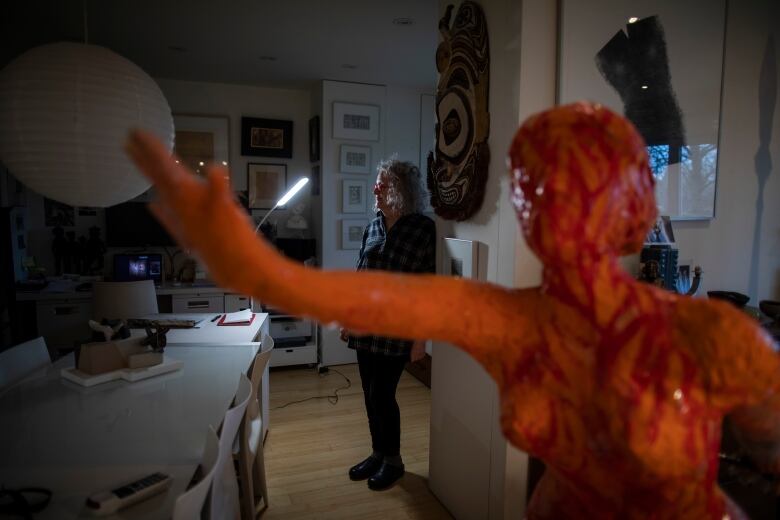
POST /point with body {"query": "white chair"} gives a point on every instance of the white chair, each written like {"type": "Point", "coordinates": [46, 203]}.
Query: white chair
{"type": "Point", "coordinates": [20, 361]}
{"type": "Point", "coordinates": [249, 451]}
{"type": "Point", "coordinates": [189, 505]}
{"type": "Point", "coordinates": [114, 300]}
{"type": "Point", "coordinates": [224, 491]}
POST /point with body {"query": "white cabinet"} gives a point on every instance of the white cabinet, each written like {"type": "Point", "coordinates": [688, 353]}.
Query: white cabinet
{"type": "Point", "coordinates": [194, 303]}
{"type": "Point", "coordinates": [237, 302]}
{"type": "Point", "coordinates": [295, 339]}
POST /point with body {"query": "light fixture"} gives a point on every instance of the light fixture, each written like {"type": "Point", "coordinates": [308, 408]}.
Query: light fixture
{"type": "Point", "coordinates": [403, 21]}
{"type": "Point", "coordinates": [348, 66]}
{"type": "Point", "coordinates": [644, 87]}
{"type": "Point", "coordinates": [268, 58]}
{"type": "Point", "coordinates": [65, 112]}
{"type": "Point", "coordinates": [285, 199]}
{"type": "Point", "coordinates": [633, 19]}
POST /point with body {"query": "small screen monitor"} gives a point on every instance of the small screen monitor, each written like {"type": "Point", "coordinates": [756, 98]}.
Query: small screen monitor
{"type": "Point", "coordinates": [133, 267]}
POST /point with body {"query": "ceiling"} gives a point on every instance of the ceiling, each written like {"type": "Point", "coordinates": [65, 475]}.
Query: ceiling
{"type": "Point", "coordinates": [287, 43]}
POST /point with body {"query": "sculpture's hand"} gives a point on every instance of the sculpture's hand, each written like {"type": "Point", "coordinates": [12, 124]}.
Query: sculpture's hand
{"type": "Point", "coordinates": [202, 215]}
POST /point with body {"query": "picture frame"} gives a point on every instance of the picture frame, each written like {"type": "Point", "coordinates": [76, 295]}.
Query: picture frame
{"type": "Point", "coordinates": [354, 196]}
{"type": "Point", "coordinates": [355, 159]}
{"type": "Point", "coordinates": [352, 233]}
{"type": "Point", "coordinates": [201, 139]}
{"type": "Point", "coordinates": [314, 139]}
{"type": "Point", "coordinates": [460, 258]}
{"type": "Point", "coordinates": [314, 183]}
{"type": "Point", "coordinates": [356, 122]}
{"type": "Point", "coordinates": [677, 107]}
{"type": "Point", "coordinates": [266, 184]}
{"type": "Point", "coordinates": [266, 137]}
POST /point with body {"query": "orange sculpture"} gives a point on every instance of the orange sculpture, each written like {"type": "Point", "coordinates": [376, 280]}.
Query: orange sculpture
{"type": "Point", "coordinates": [618, 386]}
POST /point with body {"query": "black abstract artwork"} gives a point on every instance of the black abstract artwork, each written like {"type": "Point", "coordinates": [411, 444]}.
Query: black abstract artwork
{"type": "Point", "coordinates": [635, 63]}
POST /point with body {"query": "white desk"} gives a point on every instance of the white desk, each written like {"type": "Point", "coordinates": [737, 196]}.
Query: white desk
{"type": "Point", "coordinates": [208, 332]}
{"type": "Point", "coordinates": [76, 441]}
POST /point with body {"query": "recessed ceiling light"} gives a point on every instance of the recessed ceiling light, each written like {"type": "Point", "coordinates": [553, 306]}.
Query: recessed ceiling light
{"type": "Point", "coordinates": [403, 21]}
{"type": "Point", "coordinates": [644, 87]}
{"type": "Point", "coordinates": [268, 58]}
{"type": "Point", "coordinates": [633, 19]}
{"type": "Point", "coordinates": [177, 48]}
{"type": "Point", "coordinates": [348, 66]}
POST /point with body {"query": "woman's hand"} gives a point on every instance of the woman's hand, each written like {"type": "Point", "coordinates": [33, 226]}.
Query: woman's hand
{"type": "Point", "coordinates": [418, 351]}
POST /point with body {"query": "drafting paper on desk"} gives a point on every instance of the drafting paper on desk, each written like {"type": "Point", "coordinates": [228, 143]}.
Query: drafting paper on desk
{"type": "Point", "coordinates": [244, 317]}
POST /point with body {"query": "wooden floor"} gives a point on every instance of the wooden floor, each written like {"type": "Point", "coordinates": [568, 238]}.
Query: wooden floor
{"type": "Point", "coordinates": [311, 445]}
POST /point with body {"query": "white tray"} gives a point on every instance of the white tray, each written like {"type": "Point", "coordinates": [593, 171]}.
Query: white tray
{"type": "Point", "coordinates": [127, 374]}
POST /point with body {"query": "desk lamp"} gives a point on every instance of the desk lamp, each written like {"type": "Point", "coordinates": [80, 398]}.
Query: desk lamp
{"type": "Point", "coordinates": [285, 199]}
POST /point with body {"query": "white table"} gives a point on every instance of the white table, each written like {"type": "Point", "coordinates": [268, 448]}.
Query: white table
{"type": "Point", "coordinates": [76, 441]}
{"type": "Point", "coordinates": [208, 332]}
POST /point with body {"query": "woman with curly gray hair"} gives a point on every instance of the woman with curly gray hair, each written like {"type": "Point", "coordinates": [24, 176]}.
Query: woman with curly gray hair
{"type": "Point", "coordinates": [400, 238]}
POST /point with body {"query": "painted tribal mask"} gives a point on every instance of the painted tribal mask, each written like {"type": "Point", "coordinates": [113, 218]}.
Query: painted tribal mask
{"type": "Point", "coordinates": [457, 170]}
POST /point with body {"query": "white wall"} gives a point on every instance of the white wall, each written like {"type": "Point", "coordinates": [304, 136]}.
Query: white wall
{"type": "Point", "coordinates": [236, 101]}
{"type": "Point", "coordinates": [472, 470]}
{"type": "Point", "coordinates": [399, 113]}
{"type": "Point", "coordinates": [725, 246]}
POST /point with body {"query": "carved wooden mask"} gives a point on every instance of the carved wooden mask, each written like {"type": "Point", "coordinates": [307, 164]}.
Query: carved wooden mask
{"type": "Point", "coordinates": [457, 169]}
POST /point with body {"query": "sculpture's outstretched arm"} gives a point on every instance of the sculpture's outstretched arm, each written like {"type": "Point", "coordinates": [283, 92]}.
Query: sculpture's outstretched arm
{"type": "Point", "coordinates": [744, 373]}
{"type": "Point", "coordinates": [203, 216]}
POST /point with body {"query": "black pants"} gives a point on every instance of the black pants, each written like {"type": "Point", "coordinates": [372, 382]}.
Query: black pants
{"type": "Point", "coordinates": [379, 375]}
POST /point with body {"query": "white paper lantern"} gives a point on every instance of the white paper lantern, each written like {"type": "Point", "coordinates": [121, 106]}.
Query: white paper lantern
{"type": "Point", "coordinates": [65, 112]}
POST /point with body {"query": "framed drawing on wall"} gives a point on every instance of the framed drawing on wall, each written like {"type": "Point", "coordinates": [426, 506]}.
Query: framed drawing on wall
{"type": "Point", "coordinates": [646, 60]}
{"type": "Point", "coordinates": [355, 159]}
{"type": "Point", "coordinates": [353, 196]}
{"type": "Point", "coordinates": [352, 233]}
{"type": "Point", "coordinates": [266, 137]}
{"type": "Point", "coordinates": [358, 122]}
{"type": "Point", "coordinates": [266, 183]}
{"type": "Point", "coordinates": [200, 140]}
{"type": "Point", "coordinates": [314, 139]}
{"type": "Point", "coordinates": [460, 258]}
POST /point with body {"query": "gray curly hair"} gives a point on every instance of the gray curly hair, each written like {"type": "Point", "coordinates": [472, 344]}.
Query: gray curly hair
{"type": "Point", "coordinates": [405, 192]}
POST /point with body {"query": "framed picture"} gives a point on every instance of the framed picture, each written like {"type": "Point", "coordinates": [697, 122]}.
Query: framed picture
{"type": "Point", "coordinates": [266, 183]}
{"type": "Point", "coordinates": [352, 233]}
{"type": "Point", "coordinates": [315, 180]}
{"type": "Point", "coordinates": [671, 95]}
{"type": "Point", "coordinates": [353, 196]}
{"type": "Point", "coordinates": [355, 159]}
{"type": "Point", "coordinates": [201, 140]}
{"type": "Point", "coordinates": [460, 258]}
{"type": "Point", "coordinates": [358, 122]}
{"type": "Point", "coordinates": [266, 137]}
{"type": "Point", "coordinates": [661, 232]}
{"type": "Point", "coordinates": [57, 214]}
{"type": "Point", "coordinates": [314, 139]}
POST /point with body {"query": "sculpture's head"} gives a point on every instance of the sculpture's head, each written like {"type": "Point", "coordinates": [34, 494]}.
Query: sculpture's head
{"type": "Point", "coordinates": [581, 184]}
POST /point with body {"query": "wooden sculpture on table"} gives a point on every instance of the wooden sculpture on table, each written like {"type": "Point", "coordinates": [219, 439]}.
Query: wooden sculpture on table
{"type": "Point", "coordinates": [618, 386]}
{"type": "Point", "coordinates": [457, 171]}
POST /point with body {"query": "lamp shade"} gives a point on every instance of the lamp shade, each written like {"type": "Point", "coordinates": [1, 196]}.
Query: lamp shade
{"type": "Point", "coordinates": [65, 111]}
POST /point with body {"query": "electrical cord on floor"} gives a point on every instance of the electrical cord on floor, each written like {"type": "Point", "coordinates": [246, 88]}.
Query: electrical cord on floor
{"type": "Point", "coordinates": [333, 398]}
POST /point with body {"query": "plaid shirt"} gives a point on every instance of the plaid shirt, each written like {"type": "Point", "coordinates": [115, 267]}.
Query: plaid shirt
{"type": "Point", "coordinates": [410, 247]}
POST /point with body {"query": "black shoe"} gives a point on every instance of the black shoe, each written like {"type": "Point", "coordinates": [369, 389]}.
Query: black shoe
{"type": "Point", "coordinates": [365, 469]}
{"type": "Point", "coordinates": [385, 477]}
